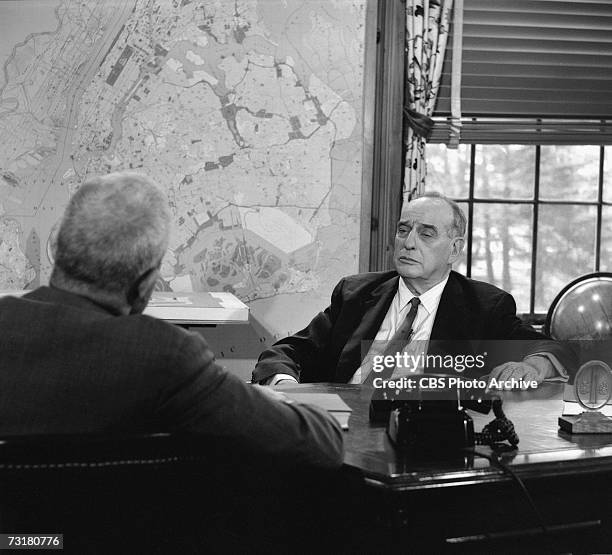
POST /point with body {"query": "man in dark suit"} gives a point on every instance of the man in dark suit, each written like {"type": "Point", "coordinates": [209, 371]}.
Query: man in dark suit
{"type": "Point", "coordinates": [452, 311]}
{"type": "Point", "coordinates": [78, 356]}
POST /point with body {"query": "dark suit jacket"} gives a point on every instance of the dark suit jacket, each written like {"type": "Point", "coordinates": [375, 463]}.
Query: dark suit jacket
{"type": "Point", "coordinates": [68, 365]}
{"type": "Point", "coordinates": [329, 348]}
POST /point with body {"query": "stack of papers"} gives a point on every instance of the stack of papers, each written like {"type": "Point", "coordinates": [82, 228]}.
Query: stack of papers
{"type": "Point", "coordinates": [331, 402]}
{"type": "Point", "coordinates": [195, 308]}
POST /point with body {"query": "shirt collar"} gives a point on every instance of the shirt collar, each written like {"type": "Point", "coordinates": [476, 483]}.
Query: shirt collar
{"type": "Point", "coordinates": [430, 299]}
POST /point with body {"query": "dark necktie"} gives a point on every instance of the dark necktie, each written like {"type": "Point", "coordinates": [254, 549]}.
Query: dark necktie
{"type": "Point", "coordinates": [396, 344]}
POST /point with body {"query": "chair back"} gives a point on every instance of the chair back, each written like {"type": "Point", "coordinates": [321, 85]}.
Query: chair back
{"type": "Point", "coordinates": [162, 493]}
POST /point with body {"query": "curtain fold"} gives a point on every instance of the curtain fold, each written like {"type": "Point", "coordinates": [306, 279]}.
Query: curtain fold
{"type": "Point", "coordinates": [427, 26]}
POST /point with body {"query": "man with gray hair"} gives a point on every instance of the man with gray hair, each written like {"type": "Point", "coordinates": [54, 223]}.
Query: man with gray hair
{"type": "Point", "coordinates": [424, 300]}
{"type": "Point", "coordinates": [78, 356]}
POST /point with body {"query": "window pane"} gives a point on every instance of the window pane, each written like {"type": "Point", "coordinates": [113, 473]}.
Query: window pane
{"type": "Point", "coordinates": [605, 261]}
{"type": "Point", "coordinates": [448, 170]}
{"type": "Point", "coordinates": [569, 172]}
{"type": "Point", "coordinates": [566, 246]}
{"type": "Point", "coordinates": [501, 248]}
{"type": "Point", "coordinates": [607, 176]}
{"type": "Point", "coordinates": [461, 264]}
{"type": "Point", "coordinates": [504, 171]}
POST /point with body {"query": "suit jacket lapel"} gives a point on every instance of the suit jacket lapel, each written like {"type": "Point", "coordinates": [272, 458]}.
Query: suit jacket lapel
{"type": "Point", "coordinates": [453, 316]}
{"type": "Point", "coordinates": [373, 310]}
{"type": "Point", "coordinates": [454, 327]}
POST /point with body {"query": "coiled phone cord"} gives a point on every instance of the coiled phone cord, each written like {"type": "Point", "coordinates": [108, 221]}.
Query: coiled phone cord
{"type": "Point", "coordinates": [498, 430]}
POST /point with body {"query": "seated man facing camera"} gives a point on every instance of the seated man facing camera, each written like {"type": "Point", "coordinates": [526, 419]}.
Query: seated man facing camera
{"type": "Point", "coordinates": [423, 300]}
{"type": "Point", "coordinates": [78, 356]}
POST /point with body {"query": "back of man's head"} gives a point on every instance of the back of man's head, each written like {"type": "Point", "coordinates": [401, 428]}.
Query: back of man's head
{"type": "Point", "coordinates": [114, 230]}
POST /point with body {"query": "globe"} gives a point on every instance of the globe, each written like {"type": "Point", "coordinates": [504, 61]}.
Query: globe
{"type": "Point", "coordinates": [583, 310]}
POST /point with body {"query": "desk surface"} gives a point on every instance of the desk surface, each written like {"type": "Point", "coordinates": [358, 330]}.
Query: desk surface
{"type": "Point", "coordinates": [543, 448]}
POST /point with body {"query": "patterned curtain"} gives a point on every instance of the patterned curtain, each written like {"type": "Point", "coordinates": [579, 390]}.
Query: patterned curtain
{"type": "Point", "coordinates": [427, 25]}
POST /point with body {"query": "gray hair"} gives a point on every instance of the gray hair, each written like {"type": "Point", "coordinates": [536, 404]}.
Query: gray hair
{"type": "Point", "coordinates": [115, 228]}
{"type": "Point", "coordinates": [457, 228]}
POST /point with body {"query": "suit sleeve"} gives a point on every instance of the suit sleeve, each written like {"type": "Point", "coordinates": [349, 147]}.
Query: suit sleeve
{"type": "Point", "coordinates": [508, 325]}
{"type": "Point", "coordinates": [306, 354]}
{"type": "Point", "coordinates": [201, 397]}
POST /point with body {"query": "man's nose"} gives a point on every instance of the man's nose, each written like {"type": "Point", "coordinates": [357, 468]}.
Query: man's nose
{"type": "Point", "coordinates": [410, 240]}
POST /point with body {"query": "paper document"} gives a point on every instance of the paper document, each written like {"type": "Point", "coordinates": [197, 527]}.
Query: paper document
{"type": "Point", "coordinates": [331, 402]}
{"type": "Point", "coordinates": [171, 301]}
{"type": "Point", "coordinates": [196, 308]}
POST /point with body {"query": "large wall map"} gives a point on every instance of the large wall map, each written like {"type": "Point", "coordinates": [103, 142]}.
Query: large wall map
{"type": "Point", "coordinates": [247, 112]}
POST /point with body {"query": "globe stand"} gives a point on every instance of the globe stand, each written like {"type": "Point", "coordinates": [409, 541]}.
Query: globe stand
{"type": "Point", "coordinates": [593, 388]}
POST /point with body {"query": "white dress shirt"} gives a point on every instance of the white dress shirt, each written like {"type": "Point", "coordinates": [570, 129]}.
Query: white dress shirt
{"type": "Point", "coordinates": [398, 310]}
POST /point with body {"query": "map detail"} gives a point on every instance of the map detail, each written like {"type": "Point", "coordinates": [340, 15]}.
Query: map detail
{"type": "Point", "coordinates": [247, 113]}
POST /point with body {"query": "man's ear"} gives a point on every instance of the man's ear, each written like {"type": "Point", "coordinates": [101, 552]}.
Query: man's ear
{"type": "Point", "coordinates": [456, 249]}
{"type": "Point", "coordinates": [139, 293]}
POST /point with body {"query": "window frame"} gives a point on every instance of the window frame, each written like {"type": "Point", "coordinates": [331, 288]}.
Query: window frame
{"type": "Point", "coordinates": [535, 202]}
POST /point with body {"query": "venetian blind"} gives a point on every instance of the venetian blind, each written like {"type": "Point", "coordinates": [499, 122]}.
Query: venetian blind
{"type": "Point", "coordinates": [532, 71]}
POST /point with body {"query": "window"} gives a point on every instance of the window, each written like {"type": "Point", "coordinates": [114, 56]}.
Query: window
{"type": "Point", "coordinates": [535, 97]}
{"type": "Point", "coordinates": [538, 216]}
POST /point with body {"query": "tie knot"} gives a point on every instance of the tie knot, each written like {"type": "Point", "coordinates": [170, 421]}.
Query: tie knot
{"type": "Point", "coordinates": [415, 301]}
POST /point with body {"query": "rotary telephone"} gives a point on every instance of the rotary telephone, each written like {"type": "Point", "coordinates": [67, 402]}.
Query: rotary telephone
{"type": "Point", "coordinates": [435, 422]}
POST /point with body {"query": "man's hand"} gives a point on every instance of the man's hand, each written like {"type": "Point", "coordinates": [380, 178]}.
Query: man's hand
{"type": "Point", "coordinates": [275, 379]}
{"type": "Point", "coordinates": [284, 382]}
{"type": "Point", "coordinates": [531, 369]}
{"type": "Point", "coordinates": [272, 394]}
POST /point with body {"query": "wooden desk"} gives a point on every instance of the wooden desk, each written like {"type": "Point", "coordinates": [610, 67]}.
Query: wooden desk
{"type": "Point", "coordinates": [429, 502]}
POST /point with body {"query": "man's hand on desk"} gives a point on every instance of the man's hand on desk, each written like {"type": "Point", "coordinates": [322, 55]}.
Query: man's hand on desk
{"type": "Point", "coordinates": [288, 383]}
{"type": "Point", "coordinates": [276, 379]}
{"type": "Point", "coordinates": [272, 394]}
{"type": "Point", "coordinates": [534, 368]}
